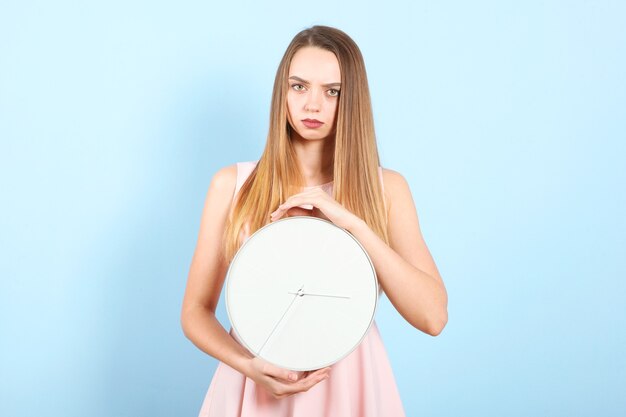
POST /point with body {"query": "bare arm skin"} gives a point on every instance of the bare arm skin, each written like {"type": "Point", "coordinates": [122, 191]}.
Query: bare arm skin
{"type": "Point", "coordinates": [206, 277]}
{"type": "Point", "coordinates": [204, 285]}
{"type": "Point", "coordinates": [406, 270]}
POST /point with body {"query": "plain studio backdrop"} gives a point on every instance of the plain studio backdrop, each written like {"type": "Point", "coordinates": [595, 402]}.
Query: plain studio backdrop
{"type": "Point", "coordinates": [508, 120]}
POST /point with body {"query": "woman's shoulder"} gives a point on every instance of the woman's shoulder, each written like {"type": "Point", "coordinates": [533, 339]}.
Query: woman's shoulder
{"type": "Point", "coordinates": [229, 179]}
{"type": "Point", "coordinates": [225, 179]}
{"type": "Point", "coordinates": [392, 177]}
{"type": "Point", "coordinates": [228, 174]}
{"type": "Point", "coordinates": [396, 188]}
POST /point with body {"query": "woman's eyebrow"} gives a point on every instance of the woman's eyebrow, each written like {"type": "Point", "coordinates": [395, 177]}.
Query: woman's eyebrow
{"type": "Point", "coordinates": [293, 77]}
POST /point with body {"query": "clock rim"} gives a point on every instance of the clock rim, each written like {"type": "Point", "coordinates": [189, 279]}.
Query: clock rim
{"type": "Point", "coordinates": [374, 310]}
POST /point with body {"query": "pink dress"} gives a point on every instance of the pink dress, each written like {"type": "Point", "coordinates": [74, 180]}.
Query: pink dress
{"type": "Point", "coordinates": [360, 385]}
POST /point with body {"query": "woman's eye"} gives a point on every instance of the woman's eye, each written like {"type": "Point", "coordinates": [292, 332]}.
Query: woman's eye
{"type": "Point", "coordinates": [333, 92]}
{"type": "Point", "coordinates": [297, 87]}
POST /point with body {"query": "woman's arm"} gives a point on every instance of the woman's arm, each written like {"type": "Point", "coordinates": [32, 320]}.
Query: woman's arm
{"type": "Point", "coordinates": [206, 277]}
{"type": "Point", "coordinates": [204, 285]}
{"type": "Point", "coordinates": [405, 269]}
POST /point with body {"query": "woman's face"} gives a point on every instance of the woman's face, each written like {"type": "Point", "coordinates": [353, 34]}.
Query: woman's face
{"type": "Point", "coordinates": [313, 92]}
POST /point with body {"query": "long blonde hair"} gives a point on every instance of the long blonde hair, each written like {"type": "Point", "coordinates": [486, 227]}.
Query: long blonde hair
{"type": "Point", "coordinates": [277, 174]}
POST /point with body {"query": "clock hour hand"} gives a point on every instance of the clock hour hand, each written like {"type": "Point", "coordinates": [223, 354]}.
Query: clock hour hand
{"type": "Point", "coordinates": [302, 293]}
{"type": "Point", "coordinates": [281, 318]}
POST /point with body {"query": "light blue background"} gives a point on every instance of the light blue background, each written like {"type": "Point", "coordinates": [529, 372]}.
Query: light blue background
{"type": "Point", "coordinates": [506, 118]}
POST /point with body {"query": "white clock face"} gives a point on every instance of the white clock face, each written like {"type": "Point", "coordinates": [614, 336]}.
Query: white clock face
{"type": "Point", "coordinates": [301, 293]}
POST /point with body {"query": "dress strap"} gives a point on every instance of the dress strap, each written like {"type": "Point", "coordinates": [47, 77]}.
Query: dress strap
{"type": "Point", "coordinates": [244, 169]}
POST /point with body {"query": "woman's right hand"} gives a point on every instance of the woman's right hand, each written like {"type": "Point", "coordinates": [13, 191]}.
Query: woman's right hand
{"type": "Point", "coordinates": [280, 382]}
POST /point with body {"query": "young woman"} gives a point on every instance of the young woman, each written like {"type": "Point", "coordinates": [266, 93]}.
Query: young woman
{"type": "Point", "coordinates": [320, 159]}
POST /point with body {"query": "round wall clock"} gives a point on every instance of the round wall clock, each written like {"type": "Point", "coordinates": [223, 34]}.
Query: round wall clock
{"type": "Point", "coordinates": [301, 293]}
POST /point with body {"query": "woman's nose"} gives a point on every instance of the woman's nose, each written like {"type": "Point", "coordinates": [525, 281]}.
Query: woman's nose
{"type": "Point", "coordinates": [313, 102]}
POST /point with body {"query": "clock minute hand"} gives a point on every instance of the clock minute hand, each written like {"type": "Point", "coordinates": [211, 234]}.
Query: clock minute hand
{"type": "Point", "coordinates": [301, 293]}
{"type": "Point", "coordinates": [282, 317]}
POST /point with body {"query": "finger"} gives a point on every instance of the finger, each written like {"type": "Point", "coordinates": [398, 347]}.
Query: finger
{"type": "Point", "coordinates": [328, 368]}
{"type": "Point", "coordinates": [322, 372]}
{"type": "Point", "coordinates": [299, 211]}
{"type": "Point", "coordinates": [310, 199]}
{"type": "Point", "coordinates": [280, 373]}
{"type": "Point", "coordinates": [291, 211]}
{"type": "Point", "coordinates": [285, 389]}
{"type": "Point", "coordinates": [280, 212]}
{"type": "Point", "coordinates": [312, 379]}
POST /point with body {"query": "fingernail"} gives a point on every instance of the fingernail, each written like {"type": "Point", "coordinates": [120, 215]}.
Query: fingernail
{"type": "Point", "coordinates": [293, 377]}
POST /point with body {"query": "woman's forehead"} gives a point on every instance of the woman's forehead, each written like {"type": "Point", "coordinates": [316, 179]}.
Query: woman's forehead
{"type": "Point", "coordinates": [315, 65]}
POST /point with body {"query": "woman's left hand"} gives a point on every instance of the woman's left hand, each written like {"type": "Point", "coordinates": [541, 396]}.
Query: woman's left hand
{"type": "Point", "coordinates": [323, 206]}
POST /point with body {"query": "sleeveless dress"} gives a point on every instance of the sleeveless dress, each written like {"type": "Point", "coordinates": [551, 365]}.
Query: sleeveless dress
{"type": "Point", "coordinates": [360, 385]}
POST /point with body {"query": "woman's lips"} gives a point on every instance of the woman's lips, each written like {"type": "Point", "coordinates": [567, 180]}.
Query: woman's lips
{"type": "Point", "coordinates": [312, 123]}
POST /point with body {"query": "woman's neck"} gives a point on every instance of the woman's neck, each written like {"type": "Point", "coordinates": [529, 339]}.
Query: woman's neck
{"type": "Point", "coordinates": [315, 158]}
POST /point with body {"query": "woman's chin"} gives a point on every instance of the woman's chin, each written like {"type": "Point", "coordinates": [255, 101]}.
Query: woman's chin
{"type": "Point", "coordinates": [315, 135]}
